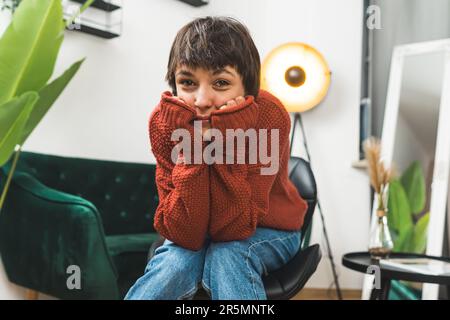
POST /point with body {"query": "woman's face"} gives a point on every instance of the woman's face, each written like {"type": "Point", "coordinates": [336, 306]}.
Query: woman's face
{"type": "Point", "coordinates": [207, 90]}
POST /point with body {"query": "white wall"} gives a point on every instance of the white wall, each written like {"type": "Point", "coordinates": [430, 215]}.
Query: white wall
{"type": "Point", "coordinates": [104, 111]}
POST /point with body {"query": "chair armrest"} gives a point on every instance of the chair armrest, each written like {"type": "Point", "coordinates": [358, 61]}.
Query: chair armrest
{"type": "Point", "coordinates": [44, 231]}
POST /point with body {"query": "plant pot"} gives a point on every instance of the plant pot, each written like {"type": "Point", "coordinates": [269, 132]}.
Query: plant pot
{"type": "Point", "coordinates": [380, 242]}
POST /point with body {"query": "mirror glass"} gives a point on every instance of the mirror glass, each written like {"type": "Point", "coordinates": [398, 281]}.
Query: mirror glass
{"type": "Point", "coordinates": [414, 151]}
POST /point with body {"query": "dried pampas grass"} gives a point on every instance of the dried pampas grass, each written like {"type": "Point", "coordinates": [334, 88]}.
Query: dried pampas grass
{"type": "Point", "coordinates": [379, 174]}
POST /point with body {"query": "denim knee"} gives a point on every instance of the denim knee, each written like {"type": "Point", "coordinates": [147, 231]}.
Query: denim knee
{"type": "Point", "coordinates": [172, 273]}
{"type": "Point", "coordinates": [232, 271]}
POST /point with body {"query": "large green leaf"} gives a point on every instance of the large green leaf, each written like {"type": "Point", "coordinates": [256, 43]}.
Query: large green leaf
{"type": "Point", "coordinates": [29, 47]}
{"type": "Point", "coordinates": [413, 182]}
{"type": "Point", "coordinates": [399, 213]}
{"type": "Point", "coordinates": [47, 96]}
{"type": "Point", "coordinates": [419, 241]}
{"type": "Point", "coordinates": [403, 241]}
{"type": "Point", "coordinates": [13, 118]}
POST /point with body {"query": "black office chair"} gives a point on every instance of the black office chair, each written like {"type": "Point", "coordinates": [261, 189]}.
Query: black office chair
{"type": "Point", "coordinates": [287, 281]}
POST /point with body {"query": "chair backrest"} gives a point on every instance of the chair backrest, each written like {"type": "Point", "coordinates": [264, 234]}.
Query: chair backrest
{"type": "Point", "coordinates": [302, 177]}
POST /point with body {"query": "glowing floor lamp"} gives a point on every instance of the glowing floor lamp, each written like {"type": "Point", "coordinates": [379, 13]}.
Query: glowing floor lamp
{"type": "Point", "coordinates": [298, 75]}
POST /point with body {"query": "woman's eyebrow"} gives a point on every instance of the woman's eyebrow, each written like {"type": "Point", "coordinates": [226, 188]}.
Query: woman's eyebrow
{"type": "Point", "coordinates": [219, 71]}
{"type": "Point", "coordinates": [187, 73]}
{"type": "Point", "coordinates": [184, 73]}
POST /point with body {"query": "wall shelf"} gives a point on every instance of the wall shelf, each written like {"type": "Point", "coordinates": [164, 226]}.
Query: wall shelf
{"type": "Point", "coordinates": [100, 4]}
{"type": "Point", "coordinates": [102, 19]}
{"type": "Point", "coordinates": [95, 32]}
{"type": "Point", "coordinates": [196, 3]}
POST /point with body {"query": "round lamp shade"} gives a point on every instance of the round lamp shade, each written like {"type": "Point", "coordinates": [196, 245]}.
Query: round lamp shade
{"type": "Point", "coordinates": [297, 74]}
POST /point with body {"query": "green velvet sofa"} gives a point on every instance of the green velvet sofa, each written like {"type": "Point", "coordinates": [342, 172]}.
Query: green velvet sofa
{"type": "Point", "coordinates": [60, 211]}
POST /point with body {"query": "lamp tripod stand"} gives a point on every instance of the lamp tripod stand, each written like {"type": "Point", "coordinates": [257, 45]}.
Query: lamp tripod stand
{"type": "Point", "coordinates": [298, 118]}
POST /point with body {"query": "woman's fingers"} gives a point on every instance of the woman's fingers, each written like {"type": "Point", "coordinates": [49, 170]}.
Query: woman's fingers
{"type": "Point", "coordinates": [233, 102]}
{"type": "Point", "coordinates": [240, 99]}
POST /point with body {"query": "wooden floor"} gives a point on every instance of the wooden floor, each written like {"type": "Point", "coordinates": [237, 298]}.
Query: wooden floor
{"type": "Point", "coordinates": [325, 294]}
{"type": "Point", "coordinates": [305, 294]}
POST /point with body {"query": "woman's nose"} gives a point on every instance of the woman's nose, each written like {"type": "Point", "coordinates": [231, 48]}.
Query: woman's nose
{"type": "Point", "coordinates": [204, 102]}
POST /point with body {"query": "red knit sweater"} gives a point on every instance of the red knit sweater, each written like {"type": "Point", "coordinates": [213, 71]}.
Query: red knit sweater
{"type": "Point", "coordinates": [226, 201]}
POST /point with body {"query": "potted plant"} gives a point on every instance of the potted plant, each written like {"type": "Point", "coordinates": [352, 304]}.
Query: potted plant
{"type": "Point", "coordinates": [380, 242]}
{"type": "Point", "coordinates": [28, 51]}
{"type": "Point", "coordinates": [401, 213]}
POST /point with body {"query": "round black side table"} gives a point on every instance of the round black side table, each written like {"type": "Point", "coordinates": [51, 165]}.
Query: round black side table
{"type": "Point", "coordinates": [361, 261]}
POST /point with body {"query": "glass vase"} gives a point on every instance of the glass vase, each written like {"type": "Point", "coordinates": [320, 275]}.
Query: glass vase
{"type": "Point", "coordinates": [380, 242]}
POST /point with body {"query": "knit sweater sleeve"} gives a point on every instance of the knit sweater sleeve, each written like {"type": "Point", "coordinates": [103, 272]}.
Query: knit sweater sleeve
{"type": "Point", "coordinates": [182, 215]}
{"type": "Point", "coordinates": [240, 192]}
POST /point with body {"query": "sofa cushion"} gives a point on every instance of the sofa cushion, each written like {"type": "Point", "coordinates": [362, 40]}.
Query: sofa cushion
{"type": "Point", "coordinates": [122, 243]}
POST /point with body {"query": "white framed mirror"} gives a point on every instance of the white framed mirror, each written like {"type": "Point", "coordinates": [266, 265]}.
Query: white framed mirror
{"type": "Point", "coordinates": [416, 127]}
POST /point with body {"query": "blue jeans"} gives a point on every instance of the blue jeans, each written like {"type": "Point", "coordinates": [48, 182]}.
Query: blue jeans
{"type": "Point", "coordinates": [227, 270]}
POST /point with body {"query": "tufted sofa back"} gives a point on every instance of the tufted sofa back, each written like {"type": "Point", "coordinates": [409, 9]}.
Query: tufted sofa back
{"type": "Point", "coordinates": [125, 194]}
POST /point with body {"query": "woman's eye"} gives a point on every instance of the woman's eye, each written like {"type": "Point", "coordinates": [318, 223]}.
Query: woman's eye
{"type": "Point", "coordinates": [186, 82]}
{"type": "Point", "coordinates": [222, 83]}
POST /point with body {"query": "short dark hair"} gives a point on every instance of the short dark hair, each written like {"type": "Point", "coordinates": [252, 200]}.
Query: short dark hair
{"type": "Point", "coordinates": [214, 43]}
